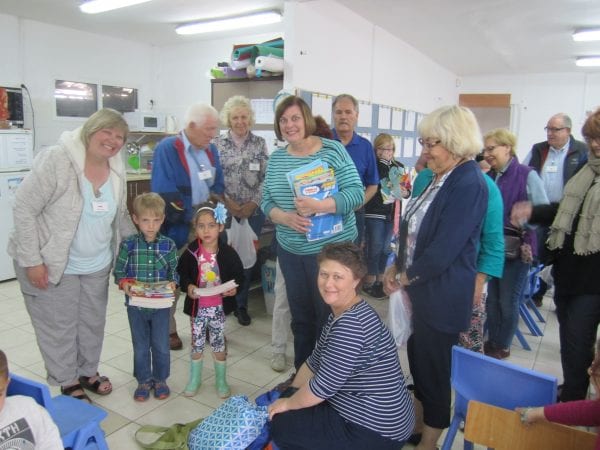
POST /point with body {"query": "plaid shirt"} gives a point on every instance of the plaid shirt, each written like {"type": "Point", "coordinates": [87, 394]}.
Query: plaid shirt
{"type": "Point", "coordinates": [147, 261]}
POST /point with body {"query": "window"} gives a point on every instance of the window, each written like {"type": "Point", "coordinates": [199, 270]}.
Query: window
{"type": "Point", "coordinates": [75, 99]}
{"type": "Point", "coordinates": [120, 98]}
{"type": "Point", "coordinates": [79, 99]}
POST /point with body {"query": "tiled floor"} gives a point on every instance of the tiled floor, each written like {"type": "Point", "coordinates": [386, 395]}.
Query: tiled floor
{"type": "Point", "coordinates": [249, 372]}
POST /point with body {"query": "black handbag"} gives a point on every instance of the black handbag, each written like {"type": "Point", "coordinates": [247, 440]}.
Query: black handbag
{"type": "Point", "coordinates": [513, 239]}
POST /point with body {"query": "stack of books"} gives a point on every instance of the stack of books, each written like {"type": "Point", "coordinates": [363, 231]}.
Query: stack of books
{"type": "Point", "coordinates": [317, 180]}
{"type": "Point", "coordinates": [151, 295]}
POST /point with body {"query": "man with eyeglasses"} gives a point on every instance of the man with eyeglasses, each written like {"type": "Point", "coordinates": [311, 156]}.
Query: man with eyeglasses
{"type": "Point", "coordinates": [556, 160]}
{"type": "Point", "coordinates": [345, 118]}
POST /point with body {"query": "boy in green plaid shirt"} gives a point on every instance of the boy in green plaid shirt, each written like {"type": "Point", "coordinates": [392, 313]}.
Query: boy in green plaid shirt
{"type": "Point", "coordinates": [148, 256]}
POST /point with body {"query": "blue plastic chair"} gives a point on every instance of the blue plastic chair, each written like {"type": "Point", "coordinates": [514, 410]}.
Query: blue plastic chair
{"type": "Point", "coordinates": [526, 305]}
{"type": "Point", "coordinates": [499, 383]}
{"type": "Point", "coordinates": [78, 422]}
{"type": "Point", "coordinates": [532, 287]}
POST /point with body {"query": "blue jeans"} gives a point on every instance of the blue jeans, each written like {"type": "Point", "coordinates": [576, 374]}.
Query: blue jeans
{"type": "Point", "coordinates": [504, 297]}
{"type": "Point", "coordinates": [378, 237]}
{"type": "Point", "coordinates": [150, 337]}
{"type": "Point", "coordinates": [241, 298]}
{"type": "Point", "coordinates": [309, 311]}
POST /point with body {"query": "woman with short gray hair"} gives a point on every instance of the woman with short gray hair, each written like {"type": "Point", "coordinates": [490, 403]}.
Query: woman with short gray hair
{"type": "Point", "coordinates": [244, 158]}
{"type": "Point", "coordinates": [436, 262]}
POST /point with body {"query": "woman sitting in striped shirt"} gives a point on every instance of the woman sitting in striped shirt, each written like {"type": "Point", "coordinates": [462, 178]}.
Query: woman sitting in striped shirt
{"type": "Point", "coordinates": [350, 392]}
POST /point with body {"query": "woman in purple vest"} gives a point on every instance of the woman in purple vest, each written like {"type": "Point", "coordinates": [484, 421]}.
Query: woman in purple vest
{"type": "Point", "coordinates": [517, 183]}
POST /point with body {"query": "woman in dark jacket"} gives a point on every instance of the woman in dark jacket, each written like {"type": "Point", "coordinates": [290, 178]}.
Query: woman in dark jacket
{"type": "Point", "coordinates": [574, 241]}
{"type": "Point", "coordinates": [436, 262]}
{"type": "Point", "coordinates": [516, 182]}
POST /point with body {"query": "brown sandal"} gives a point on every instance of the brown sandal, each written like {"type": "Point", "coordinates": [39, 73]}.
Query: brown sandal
{"type": "Point", "coordinates": [71, 391]}
{"type": "Point", "coordinates": [95, 386]}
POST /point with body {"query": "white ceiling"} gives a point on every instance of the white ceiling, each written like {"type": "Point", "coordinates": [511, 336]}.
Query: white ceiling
{"type": "Point", "coordinates": [468, 37]}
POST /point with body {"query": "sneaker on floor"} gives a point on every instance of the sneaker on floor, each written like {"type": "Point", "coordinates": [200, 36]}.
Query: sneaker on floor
{"type": "Point", "coordinates": [278, 362]}
{"type": "Point", "coordinates": [243, 317]}
{"type": "Point", "coordinates": [378, 291]}
{"type": "Point", "coordinates": [142, 393]}
{"type": "Point", "coordinates": [161, 390]}
{"type": "Point", "coordinates": [374, 290]}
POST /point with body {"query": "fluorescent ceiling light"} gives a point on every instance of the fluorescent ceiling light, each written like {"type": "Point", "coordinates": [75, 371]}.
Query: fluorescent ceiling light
{"type": "Point", "coordinates": [98, 6]}
{"type": "Point", "coordinates": [588, 61]}
{"type": "Point", "coordinates": [590, 34]}
{"type": "Point", "coordinates": [230, 23]}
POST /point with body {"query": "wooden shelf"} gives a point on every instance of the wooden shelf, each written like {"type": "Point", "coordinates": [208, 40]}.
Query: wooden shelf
{"type": "Point", "coordinates": [243, 80]}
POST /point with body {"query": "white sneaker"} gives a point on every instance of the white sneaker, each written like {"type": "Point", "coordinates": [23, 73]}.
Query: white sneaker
{"type": "Point", "coordinates": [278, 362]}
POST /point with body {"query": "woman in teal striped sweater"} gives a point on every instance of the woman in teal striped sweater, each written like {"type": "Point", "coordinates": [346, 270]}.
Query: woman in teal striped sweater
{"type": "Point", "coordinates": [295, 124]}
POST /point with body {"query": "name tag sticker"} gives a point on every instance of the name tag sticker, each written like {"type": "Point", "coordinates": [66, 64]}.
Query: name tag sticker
{"type": "Point", "coordinates": [552, 169]}
{"type": "Point", "coordinates": [254, 166]}
{"type": "Point", "coordinates": [205, 175]}
{"type": "Point", "coordinates": [99, 206]}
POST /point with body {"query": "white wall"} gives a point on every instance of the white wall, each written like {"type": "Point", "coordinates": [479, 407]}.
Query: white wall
{"type": "Point", "coordinates": [330, 49]}
{"type": "Point", "coordinates": [537, 97]}
{"type": "Point", "coordinates": [172, 76]}
{"type": "Point", "coordinates": [182, 72]}
{"type": "Point", "coordinates": [46, 53]}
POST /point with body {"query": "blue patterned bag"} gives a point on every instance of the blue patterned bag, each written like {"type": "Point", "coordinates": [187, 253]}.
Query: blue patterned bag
{"type": "Point", "coordinates": [232, 426]}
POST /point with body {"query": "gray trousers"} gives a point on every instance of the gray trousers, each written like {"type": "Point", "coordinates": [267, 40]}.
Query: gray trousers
{"type": "Point", "coordinates": [68, 319]}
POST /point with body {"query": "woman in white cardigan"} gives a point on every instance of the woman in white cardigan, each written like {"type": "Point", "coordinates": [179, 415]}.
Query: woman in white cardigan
{"type": "Point", "coordinates": [70, 213]}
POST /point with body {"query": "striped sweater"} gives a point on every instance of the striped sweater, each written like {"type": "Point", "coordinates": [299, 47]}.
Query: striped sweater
{"type": "Point", "coordinates": [356, 369]}
{"type": "Point", "coordinates": [278, 193]}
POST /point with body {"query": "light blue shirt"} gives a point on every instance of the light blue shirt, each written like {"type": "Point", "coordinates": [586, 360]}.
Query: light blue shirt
{"type": "Point", "coordinates": [553, 172]}
{"type": "Point", "coordinates": [198, 162]}
{"type": "Point", "coordinates": [91, 249]}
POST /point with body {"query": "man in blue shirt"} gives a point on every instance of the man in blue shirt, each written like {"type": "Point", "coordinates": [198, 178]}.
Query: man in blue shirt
{"type": "Point", "coordinates": [345, 117]}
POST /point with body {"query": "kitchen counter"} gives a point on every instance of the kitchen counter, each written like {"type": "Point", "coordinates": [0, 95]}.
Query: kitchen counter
{"type": "Point", "coordinates": [139, 176]}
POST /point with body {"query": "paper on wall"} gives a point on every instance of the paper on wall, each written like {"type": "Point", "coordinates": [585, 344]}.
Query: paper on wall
{"type": "Point", "coordinates": [365, 115]}
{"type": "Point", "coordinates": [408, 147]}
{"type": "Point", "coordinates": [321, 106]}
{"type": "Point", "coordinates": [263, 110]}
{"type": "Point", "coordinates": [396, 119]}
{"type": "Point", "coordinates": [385, 115]}
{"type": "Point", "coordinates": [410, 121]}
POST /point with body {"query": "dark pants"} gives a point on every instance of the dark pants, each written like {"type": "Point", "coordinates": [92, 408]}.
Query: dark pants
{"type": "Point", "coordinates": [309, 311]}
{"type": "Point", "coordinates": [256, 222]}
{"type": "Point", "coordinates": [321, 428]}
{"type": "Point", "coordinates": [578, 319]}
{"type": "Point", "coordinates": [543, 257]}
{"type": "Point", "coordinates": [360, 226]}
{"type": "Point", "coordinates": [430, 359]}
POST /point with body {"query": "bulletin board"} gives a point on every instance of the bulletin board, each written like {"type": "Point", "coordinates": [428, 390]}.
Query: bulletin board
{"type": "Point", "coordinates": [374, 119]}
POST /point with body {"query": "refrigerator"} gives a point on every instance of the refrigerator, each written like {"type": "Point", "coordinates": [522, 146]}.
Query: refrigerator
{"type": "Point", "coordinates": [16, 156]}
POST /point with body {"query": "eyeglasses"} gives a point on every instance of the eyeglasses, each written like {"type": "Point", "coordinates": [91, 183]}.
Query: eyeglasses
{"type": "Point", "coordinates": [490, 148]}
{"type": "Point", "coordinates": [429, 145]}
{"type": "Point", "coordinates": [554, 129]}
{"type": "Point", "coordinates": [589, 140]}
{"type": "Point", "coordinates": [386, 149]}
